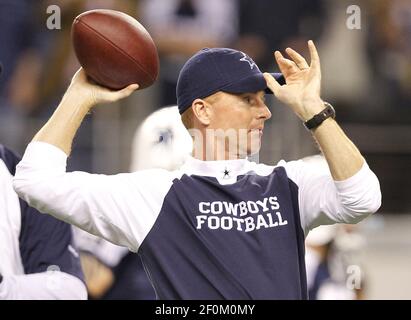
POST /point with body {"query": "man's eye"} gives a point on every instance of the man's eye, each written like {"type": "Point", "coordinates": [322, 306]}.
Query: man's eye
{"type": "Point", "coordinates": [247, 99]}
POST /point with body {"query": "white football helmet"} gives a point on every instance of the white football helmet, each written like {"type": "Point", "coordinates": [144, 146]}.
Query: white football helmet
{"type": "Point", "coordinates": [161, 141]}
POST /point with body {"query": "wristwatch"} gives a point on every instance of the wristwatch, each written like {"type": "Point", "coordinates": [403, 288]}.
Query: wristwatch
{"type": "Point", "coordinates": [319, 118]}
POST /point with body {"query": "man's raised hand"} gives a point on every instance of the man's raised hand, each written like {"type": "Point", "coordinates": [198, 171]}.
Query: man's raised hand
{"type": "Point", "coordinates": [303, 82]}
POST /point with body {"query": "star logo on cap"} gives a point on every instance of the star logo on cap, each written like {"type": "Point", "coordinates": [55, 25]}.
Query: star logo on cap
{"type": "Point", "coordinates": [247, 59]}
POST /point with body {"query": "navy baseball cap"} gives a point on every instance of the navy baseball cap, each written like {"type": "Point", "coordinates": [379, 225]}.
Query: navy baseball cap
{"type": "Point", "coordinates": [219, 69]}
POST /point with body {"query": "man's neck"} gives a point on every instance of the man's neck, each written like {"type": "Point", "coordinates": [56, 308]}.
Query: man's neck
{"type": "Point", "coordinates": [207, 147]}
{"type": "Point", "coordinates": [215, 155]}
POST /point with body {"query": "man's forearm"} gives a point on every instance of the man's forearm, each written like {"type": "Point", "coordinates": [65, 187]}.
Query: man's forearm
{"type": "Point", "coordinates": [61, 128]}
{"type": "Point", "coordinates": [80, 97]}
{"type": "Point", "coordinates": [343, 157]}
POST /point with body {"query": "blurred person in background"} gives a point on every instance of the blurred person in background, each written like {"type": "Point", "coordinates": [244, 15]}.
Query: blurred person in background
{"type": "Point", "coordinates": [38, 260]}
{"type": "Point", "coordinates": [330, 251]}
{"type": "Point", "coordinates": [23, 45]}
{"type": "Point", "coordinates": [22, 51]}
{"type": "Point", "coordinates": [266, 24]}
{"type": "Point", "coordinates": [389, 51]}
{"type": "Point", "coordinates": [113, 272]}
{"type": "Point", "coordinates": [180, 28]}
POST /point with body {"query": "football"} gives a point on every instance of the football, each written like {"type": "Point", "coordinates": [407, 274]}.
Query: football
{"type": "Point", "coordinates": [114, 49]}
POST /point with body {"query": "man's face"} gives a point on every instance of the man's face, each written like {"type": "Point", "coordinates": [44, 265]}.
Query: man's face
{"type": "Point", "coordinates": [242, 115]}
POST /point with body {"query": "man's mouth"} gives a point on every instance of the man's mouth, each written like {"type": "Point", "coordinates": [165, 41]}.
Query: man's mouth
{"type": "Point", "coordinates": [260, 131]}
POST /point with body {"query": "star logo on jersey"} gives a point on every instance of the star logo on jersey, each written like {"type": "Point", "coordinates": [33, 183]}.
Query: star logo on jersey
{"type": "Point", "coordinates": [226, 174]}
{"type": "Point", "coordinates": [247, 59]}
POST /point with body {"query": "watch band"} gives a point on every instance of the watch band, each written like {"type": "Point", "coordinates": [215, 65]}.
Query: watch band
{"type": "Point", "coordinates": [319, 118]}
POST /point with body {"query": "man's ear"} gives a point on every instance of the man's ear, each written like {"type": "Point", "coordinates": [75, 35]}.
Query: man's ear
{"type": "Point", "coordinates": [202, 111]}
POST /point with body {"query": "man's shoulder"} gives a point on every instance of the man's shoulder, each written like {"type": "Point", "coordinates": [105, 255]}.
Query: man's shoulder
{"type": "Point", "coordinates": [154, 178]}
{"type": "Point", "coordinates": [293, 169]}
{"type": "Point", "coordinates": [264, 169]}
{"type": "Point", "coordinates": [306, 168]}
{"type": "Point", "coordinates": [156, 173]}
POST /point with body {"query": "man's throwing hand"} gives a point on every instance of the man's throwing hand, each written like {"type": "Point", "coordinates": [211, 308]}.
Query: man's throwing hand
{"type": "Point", "coordinates": [94, 94]}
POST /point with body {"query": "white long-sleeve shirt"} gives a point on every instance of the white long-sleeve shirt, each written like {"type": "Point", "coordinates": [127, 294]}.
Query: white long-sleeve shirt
{"type": "Point", "coordinates": [52, 285]}
{"type": "Point", "coordinates": [36, 260]}
{"type": "Point", "coordinates": [213, 229]}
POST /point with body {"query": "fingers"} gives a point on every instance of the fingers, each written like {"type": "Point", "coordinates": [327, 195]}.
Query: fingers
{"type": "Point", "coordinates": [131, 88]}
{"type": "Point", "coordinates": [297, 58]}
{"type": "Point", "coordinates": [80, 75]}
{"type": "Point", "coordinates": [112, 96]}
{"type": "Point", "coordinates": [315, 58]}
{"type": "Point", "coordinates": [79, 72]}
{"type": "Point", "coordinates": [286, 66]}
{"type": "Point", "coordinates": [124, 93]}
{"type": "Point", "coordinates": [272, 84]}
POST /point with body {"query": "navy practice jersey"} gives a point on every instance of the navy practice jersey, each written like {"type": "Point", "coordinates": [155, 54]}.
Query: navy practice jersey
{"type": "Point", "coordinates": [211, 230]}
{"type": "Point", "coordinates": [30, 242]}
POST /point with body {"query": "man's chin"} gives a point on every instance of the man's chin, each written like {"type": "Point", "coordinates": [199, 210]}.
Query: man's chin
{"type": "Point", "coordinates": [255, 149]}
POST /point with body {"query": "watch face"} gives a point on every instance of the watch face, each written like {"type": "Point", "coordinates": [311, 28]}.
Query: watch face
{"type": "Point", "coordinates": [330, 106]}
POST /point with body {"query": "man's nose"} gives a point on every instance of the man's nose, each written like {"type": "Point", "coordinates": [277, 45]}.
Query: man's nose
{"type": "Point", "coordinates": [264, 113]}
